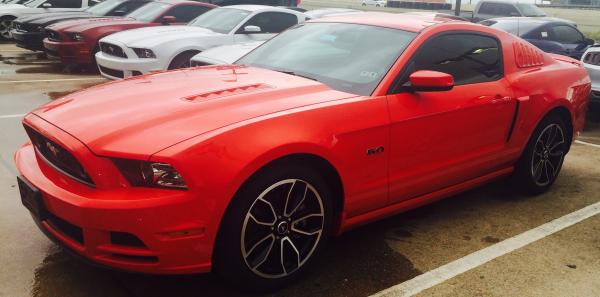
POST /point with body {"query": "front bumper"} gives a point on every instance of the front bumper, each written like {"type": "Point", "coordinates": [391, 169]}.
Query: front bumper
{"type": "Point", "coordinates": [89, 221]}
{"type": "Point", "coordinates": [77, 52]}
{"type": "Point", "coordinates": [29, 40]}
{"type": "Point", "coordinates": [113, 67]}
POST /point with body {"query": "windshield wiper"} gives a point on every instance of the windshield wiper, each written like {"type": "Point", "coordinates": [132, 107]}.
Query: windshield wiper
{"type": "Point", "coordinates": [296, 74]}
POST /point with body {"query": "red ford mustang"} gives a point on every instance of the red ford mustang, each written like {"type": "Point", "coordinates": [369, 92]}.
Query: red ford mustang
{"type": "Point", "coordinates": [247, 169]}
{"type": "Point", "coordinates": [76, 41]}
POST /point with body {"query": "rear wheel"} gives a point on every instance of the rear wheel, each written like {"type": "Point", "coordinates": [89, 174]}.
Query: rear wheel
{"type": "Point", "coordinates": [5, 25]}
{"type": "Point", "coordinates": [274, 228]}
{"type": "Point", "coordinates": [543, 157]}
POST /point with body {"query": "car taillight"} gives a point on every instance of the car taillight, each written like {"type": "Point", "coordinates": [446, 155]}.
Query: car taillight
{"type": "Point", "coordinates": [150, 174]}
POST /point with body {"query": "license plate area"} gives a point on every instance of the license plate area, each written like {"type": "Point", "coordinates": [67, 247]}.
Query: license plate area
{"type": "Point", "coordinates": [31, 198]}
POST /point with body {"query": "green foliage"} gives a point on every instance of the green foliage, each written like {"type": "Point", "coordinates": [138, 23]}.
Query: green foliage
{"type": "Point", "coordinates": [593, 35]}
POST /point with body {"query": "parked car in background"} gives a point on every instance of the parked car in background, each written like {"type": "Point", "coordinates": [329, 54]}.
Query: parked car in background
{"type": "Point", "coordinates": [548, 34]}
{"type": "Point", "coordinates": [377, 3]}
{"type": "Point", "coordinates": [29, 32]}
{"type": "Point", "coordinates": [145, 50]}
{"type": "Point", "coordinates": [487, 9]}
{"type": "Point", "coordinates": [17, 9]}
{"type": "Point", "coordinates": [76, 41]}
{"type": "Point", "coordinates": [591, 61]}
{"type": "Point", "coordinates": [247, 170]}
{"type": "Point", "coordinates": [225, 54]}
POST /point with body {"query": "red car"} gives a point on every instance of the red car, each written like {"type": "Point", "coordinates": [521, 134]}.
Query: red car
{"type": "Point", "coordinates": [76, 41]}
{"type": "Point", "coordinates": [247, 169]}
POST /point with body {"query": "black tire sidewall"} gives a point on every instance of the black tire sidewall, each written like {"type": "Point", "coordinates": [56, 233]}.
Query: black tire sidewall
{"type": "Point", "coordinates": [228, 261]}
{"type": "Point", "coordinates": [523, 175]}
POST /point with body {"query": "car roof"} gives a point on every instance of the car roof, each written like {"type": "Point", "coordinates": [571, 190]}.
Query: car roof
{"type": "Point", "coordinates": [403, 21]}
{"type": "Point", "coordinates": [530, 20]}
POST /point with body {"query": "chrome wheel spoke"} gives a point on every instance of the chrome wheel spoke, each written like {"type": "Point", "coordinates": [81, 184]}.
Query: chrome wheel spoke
{"type": "Point", "coordinates": [282, 228]}
{"type": "Point", "coordinates": [537, 171]}
{"type": "Point", "coordinates": [548, 155]}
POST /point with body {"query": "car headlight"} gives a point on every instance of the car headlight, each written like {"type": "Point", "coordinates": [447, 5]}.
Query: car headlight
{"type": "Point", "coordinates": [76, 37]}
{"type": "Point", "coordinates": [144, 53]}
{"type": "Point", "coordinates": [150, 174]}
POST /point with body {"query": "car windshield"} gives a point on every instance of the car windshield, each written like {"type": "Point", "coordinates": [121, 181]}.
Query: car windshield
{"type": "Point", "coordinates": [515, 27]}
{"type": "Point", "coordinates": [148, 12]}
{"type": "Point", "coordinates": [530, 10]}
{"type": "Point", "coordinates": [220, 20]}
{"type": "Point", "coordinates": [104, 7]}
{"type": "Point", "coordinates": [347, 57]}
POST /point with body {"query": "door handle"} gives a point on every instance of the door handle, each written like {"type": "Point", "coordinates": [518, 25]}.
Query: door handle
{"type": "Point", "coordinates": [501, 99]}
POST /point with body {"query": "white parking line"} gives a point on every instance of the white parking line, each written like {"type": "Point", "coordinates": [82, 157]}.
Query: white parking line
{"type": "Point", "coordinates": [478, 258]}
{"type": "Point", "coordinates": [587, 143]}
{"type": "Point", "coordinates": [9, 116]}
{"type": "Point", "coordinates": [51, 80]}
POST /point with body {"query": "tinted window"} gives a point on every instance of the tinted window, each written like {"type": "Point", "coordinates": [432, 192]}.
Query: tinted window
{"type": "Point", "coordinates": [271, 22]}
{"type": "Point", "coordinates": [126, 8]}
{"type": "Point", "coordinates": [65, 3]}
{"type": "Point", "coordinates": [185, 13]}
{"type": "Point", "coordinates": [487, 8]}
{"type": "Point", "coordinates": [566, 34]}
{"type": "Point", "coordinates": [469, 58]}
{"type": "Point", "coordinates": [515, 27]}
{"type": "Point", "coordinates": [499, 9]}
{"type": "Point", "coordinates": [530, 10]}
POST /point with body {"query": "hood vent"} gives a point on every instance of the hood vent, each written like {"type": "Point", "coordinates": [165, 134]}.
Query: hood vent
{"type": "Point", "coordinates": [227, 92]}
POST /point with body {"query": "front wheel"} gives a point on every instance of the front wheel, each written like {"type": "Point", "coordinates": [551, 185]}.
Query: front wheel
{"type": "Point", "coordinates": [543, 156]}
{"type": "Point", "coordinates": [274, 228]}
{"type": "Point", "coordinates": [5, 25]}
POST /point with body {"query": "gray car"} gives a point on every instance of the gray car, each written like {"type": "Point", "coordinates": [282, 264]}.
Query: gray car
{"type": "Point", "coordinates": [591, 61]}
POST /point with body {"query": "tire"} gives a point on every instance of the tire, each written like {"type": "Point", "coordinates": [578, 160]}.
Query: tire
{"type": "Point", "coordinates": [542, 159]}
{"type": "Point", "coordinates": [5, 25]}
{"type": "Point", "coordinates": [182, 60]}
{"type": "Point", "coordinates": [256, 228]}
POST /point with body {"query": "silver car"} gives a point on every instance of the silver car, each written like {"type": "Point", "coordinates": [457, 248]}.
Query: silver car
{"type": "Point", "coordinates": [591, 61]}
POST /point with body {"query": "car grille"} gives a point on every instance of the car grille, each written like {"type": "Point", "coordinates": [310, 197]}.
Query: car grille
{"type": "Point", "coordinates": [113, 50]}
{"type": "Point", "coordinates": [58, 157]}
{"type": "Point", "coordinates": [112, 72]}
{"type": "Point", "coordinates": [592, 58]}
{"type": "Point", "coordinates": [53, 35]}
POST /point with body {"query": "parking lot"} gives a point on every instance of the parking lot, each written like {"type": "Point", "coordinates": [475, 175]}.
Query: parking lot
{"type": "Point", "coordinates": [361, 262]}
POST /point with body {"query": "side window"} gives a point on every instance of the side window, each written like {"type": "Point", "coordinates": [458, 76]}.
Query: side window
{"type": "Point", "coordinates": [469, 58]}
{"type": "Point", "coordinates": [65, 3]}
{"type": "Point", "coordinates": [184, 13]}
{"type": "Point", "coordinates": [540, 34]}
{"type": "Point", "coordinates": [486, 8]}
{"type": "Point", "coordinates": [566, 34]}
{"type": "Point", "coordinates": [271, 22]}
{"type": "Point", "coordinates": [506, 10]}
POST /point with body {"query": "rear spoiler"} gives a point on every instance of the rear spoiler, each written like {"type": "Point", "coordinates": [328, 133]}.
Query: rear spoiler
{"type": "Point", "coordinates": [565, 59]}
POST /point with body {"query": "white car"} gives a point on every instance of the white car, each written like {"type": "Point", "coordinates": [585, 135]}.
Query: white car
{"type": "Point", "coordinates": [18, 8]}
{"type": "Point", "coordinates": [377, 3]}
{"type": "Point", "coordinates": [172, 47]}
{"type": "Point", "coordinates": [591, 62]}
{"type": "Point", "coordinates": [226, 54]}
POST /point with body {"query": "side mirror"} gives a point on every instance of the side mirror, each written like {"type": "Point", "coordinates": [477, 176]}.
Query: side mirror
{"type": "Point", "coordinates": [168, 19]}
{"type": "Point", "coordinates": [589, 41]}
{"type": "Point", "coordinates": [431, 81]}
{"type": "Point", "coordinates": [252, 29]}
{"type": "Point", "coordinates": [47, 5]}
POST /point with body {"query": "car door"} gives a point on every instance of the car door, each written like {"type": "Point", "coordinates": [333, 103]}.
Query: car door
{"type": "Point", "coordinates": [572, 40]}
{"type": "Point", "coordinates": [270, 24]}
{"type": "Point", "coordinates": [439, 139]}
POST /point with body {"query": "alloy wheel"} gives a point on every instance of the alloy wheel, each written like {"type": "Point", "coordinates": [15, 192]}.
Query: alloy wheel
{"type": "Point", "coordinates": [548, 155]}
{"type": "Point", "coordinates": [5, 28]}
{"type": "Point", "coordinates": [282, 228]}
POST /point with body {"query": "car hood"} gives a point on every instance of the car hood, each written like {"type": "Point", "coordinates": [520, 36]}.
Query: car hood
{"type": "Point", "coordinates": [162, 109]}
{"type": "Point", "coordinates": [81, 25]}
{"type": "Point", "coordinates": [145, 37]}
{"type": "Point", "coordinates": [11, 6]}
{"type": "Point", "coordinates": [226, 54]}
{"type": "Point", "coordinates": [35, 18]}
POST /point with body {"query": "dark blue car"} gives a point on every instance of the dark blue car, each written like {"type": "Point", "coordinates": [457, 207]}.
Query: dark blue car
{"type": "Point", "coordinates": [550, 35]}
